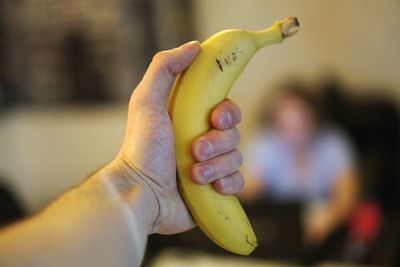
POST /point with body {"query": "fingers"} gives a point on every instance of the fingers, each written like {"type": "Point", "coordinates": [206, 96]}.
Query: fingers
{"type": "Point", "coordinates": [160, 75]}
{"type": "Point", "coordinates": [229, 185]}
{"type": "Point", "coordinates": [222, 172]}
{"type": "Point", "coordinates": [218, 160]}
{"type": "Point", "coordinates": [214, 143]}
{"type": "Point", "coordinates": [216, 168]}
{"type": "Point", "coordinates": [225, 115]}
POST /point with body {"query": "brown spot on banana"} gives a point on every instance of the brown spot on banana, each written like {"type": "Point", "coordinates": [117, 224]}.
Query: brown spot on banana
{"type": "Point", "coordinates": [219, 64]}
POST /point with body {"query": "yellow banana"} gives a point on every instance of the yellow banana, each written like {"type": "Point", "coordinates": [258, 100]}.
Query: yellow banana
{"type": "Point", "coordinates": [196, 92]}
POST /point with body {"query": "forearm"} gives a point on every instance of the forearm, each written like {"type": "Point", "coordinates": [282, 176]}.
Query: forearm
{"type": "Point", "coordinates": [92, 225]}
{"type": "Point", "coordinates": [344, 199]}
{"type": "Point", "coordinates": [253, 188]}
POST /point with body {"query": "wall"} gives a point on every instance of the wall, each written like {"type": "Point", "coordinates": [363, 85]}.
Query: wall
{"type": "Point", "coordinates": [44, 151]}
{"type": "Point", "coordinates": [357, 40]}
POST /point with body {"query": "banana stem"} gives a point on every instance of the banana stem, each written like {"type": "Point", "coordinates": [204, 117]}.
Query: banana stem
{"type": "Point", "coordinates": [279, 31]}
{"type": "Point", "coordinates": [289, 27]}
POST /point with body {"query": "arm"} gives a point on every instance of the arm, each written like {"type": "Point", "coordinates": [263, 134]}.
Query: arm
{"type": "Point", "coordinates": [258, 160]}
{"type": "Point", "coordinates": [106, 220]}
{"type": "Point", "coordinates": [88, 226]}
{"type": "Point", "coordinates": [342, 202]}
{"type": "Point", "coordinates": [253, 186]}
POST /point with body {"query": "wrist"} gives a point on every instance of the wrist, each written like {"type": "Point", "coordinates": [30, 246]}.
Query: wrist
{"type": "Point", "coordinates": [131, 193]}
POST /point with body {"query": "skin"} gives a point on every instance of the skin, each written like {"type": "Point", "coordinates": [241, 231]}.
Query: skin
{"type": "Point", "coordinates": [342, 203]}
{"type": "Point", "coordinates": [295, 122]}
{"type": "Point", "coordinates": [106, 220]}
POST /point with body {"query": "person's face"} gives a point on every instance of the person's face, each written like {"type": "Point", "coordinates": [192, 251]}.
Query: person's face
{"type": "Point", "coordinates": [294, 120]}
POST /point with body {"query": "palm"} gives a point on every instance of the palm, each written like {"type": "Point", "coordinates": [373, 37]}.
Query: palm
{"type": "Point", "coordinates": [149, 150]}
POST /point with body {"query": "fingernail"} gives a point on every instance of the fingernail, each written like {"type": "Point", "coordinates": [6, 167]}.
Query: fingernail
{"type": "Point", "coordinates": [205, 172]}
{"type": "Point", "coordinates": [189, 44]}
{"type": "Point", "coordinates": [226, 119]}
{"type": "Point", "coordinates": [205, 148]}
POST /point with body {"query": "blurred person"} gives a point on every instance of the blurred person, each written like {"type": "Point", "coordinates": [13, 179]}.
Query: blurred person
{"type": "Point", "coordinates": [300, 159]}
{"type": "Point", "coordinates": [105, 221]}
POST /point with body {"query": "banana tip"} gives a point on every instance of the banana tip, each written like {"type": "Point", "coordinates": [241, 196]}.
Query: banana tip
{"type": "Point", "coordinates": [289, 26]}
{"type": "Point", "coordinates": [296, 22]}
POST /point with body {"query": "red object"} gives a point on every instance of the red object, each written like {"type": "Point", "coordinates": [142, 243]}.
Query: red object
{"type": "Point", "coordinates": [365, 222]}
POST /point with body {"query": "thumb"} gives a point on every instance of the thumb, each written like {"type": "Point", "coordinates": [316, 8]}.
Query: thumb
{"type": "Point", "coordinates": [157, 82]}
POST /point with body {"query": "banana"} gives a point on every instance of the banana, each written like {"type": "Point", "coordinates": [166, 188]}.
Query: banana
{"type": "Point", "coordinates": [196, 92]}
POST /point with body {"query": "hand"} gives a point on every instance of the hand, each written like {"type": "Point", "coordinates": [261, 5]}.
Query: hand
{"type": "Point", "coordinates": [317, 228]}
{"type": "Point", "coordinates": [147, 156]}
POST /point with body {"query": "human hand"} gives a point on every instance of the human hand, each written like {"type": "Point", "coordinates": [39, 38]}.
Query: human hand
{"type": "Point", "coordinates": [147, 157]}
{"type": "Point", "coordinates": [317, 228]}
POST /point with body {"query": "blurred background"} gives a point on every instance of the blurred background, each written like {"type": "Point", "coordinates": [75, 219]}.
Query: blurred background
{"type": "Point", "coordinates": [67, 69]}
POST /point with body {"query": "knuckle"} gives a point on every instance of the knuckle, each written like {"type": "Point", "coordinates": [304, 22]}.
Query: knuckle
{"type": "Point", "coordinates": [238, 157]}
{"type": "Point", "coordinates": [227, 164]}
{"type": "Point", "coordinates": [239, 182]}
{"type": "Point", "coordinates": [218, 186]}
{"type": "Point", "coordinates": [229, 185]}
{"type": "Point", "coordinates": [225, 185]}
{"type": "Point", "coordinates": [232, 164]}
{"type": "Point", "coordinates": [235, 136]}
{"type": "Point", "coordinates": [211, 135]}
{"type": "Point", "coordinates": [234, 183]}
{"type": "Point", "coordinates": [159, 57]}
{"type": "Point", "coordinates": [224, 140]}
{"type": "Point", "coordinates": [219, 141]}
{"type": "Point", "coordinates": [222, 166]}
